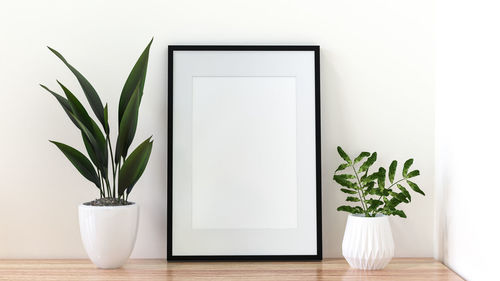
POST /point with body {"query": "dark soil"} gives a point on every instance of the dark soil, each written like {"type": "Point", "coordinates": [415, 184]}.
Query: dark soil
{"type": "Point", "coordinates": [108, 201]}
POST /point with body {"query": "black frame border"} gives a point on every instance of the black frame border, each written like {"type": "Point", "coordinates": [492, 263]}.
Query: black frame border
{"type": "Point", "coordinates": [319, 249]}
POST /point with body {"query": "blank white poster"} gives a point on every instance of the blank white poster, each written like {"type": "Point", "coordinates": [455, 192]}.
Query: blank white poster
{"type": "Point", "coordinates": [246, 127]}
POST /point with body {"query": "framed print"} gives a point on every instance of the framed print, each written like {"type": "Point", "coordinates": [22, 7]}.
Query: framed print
{"type": "Point", "coordinates": [244, 153]}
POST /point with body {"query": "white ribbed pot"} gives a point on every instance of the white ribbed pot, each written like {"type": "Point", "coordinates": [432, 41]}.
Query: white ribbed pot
{"type": "Point", "coordinates": [368, 242]}
{"type": "Point", "coordinates": [108, 233]}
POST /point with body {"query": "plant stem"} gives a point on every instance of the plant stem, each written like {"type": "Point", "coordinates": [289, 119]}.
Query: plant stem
{"type": "Point", "coordinates": [395, 183]}
{"type": "Point", "coordinates": [360, 191]}
{"type": "Point", "coordinates": [103, 194]}
{"type": "Point", "coordinates": [109, 188]}
{"type": "Point", "coordinates": [112, 164]}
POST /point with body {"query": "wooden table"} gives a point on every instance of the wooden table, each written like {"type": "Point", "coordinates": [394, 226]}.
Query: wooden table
{"type": "Point", "coordinates": [330, 269]}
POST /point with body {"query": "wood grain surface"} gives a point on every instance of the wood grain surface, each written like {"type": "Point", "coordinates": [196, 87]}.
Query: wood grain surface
{"type": "Point", "coordinates": [331, 269]}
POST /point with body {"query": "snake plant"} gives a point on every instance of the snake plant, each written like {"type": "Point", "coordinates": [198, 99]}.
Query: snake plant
{"type": "Point", "coordinates": [125, 169]}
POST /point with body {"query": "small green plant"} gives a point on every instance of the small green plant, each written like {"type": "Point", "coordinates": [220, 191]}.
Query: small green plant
{"type": "Point", "coordinates": [126, 169]}
{"type": "Point", "coordinates": [371, 190]}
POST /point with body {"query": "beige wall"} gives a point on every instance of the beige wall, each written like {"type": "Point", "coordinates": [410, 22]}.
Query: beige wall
{"type": "Point", "coordinates": [377, 94]}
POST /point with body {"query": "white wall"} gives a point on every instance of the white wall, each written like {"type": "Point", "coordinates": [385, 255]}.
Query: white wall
{"type": "Point", "coordinates": [377, 94]}
{"type": "Point", "coordinates": [468, 137]}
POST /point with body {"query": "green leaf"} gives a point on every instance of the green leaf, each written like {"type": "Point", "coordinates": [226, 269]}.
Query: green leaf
{"type": "Point", "coordinates": [406, 167]}
{"type": "Point", "coordinates": [373, 204]}
{"type": "Point", "coordinates": [352, 199]}
{"type": "Point", "coordinates": [381, 178]}
{"type": "Point", "coordinates": [344, 182]}
{"type": "Point", "coordinates": [415, 187]}
{"type": "Point", "coordinates": [348, 191]}
{"type": "Point", "coordinates": [127, 128]}
{"type": "Point", "coordinates": [392, 170]}
{"type": "Point", "coordinates": [401, 197]}
{"type": "Point", "coordinates": [346, 176]}
{"type": "Point", "coordinates": [399, 213]}
{"type": "Point", "coordinates": [349, 209]}
{"type": "Point", "coordinates": [97, 142]}
{"type": "Point", "coordinates": [370, 178]}
{"type": "Point", "coordinates": [81, 163]}
{"type": "Point", "coordinates": [343, 155]}
{"type": "Point", "coordinates": [76, 107]}
{"type": "Point", "coordinates": [405, 192]}
{"type": "Point", "coordinates": [134, 166]}
{"type": "Point", "coordinates": [369, 188]}
{"type": "Point", "coordinates": [90, 149]}
{"type": "Point", "coordinates": [64, 104]}
{"type": "Point", "coordinates": [392, 203]}
{"type": "Point", "coordinates": [368, 163]}
{"type": "Point", "coordinates": [342, 167]}
{"type": "Point", "coordinates": [99, 148]}
{"type": "Point", "coordinates": [135, 82]}
{"type": "Point", "coordinates": [361, 156]}
{"type": "Point", "coordinates": [106, 128]}
{"type": "Point", "coordinates": [88, 89]}
{"type": "Point", "coordinates": [413, 174]}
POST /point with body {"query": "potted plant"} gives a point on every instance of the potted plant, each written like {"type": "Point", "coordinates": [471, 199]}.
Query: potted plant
{"type": "Point", "coordinates": [368, 242]}
{"type": "Point", "coordinates": [108, 225]}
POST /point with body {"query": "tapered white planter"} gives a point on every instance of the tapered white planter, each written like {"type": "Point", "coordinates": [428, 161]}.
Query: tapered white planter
{"type": "Point", "coordinates": [368, 242]}
{"type": "Point", "coordinates": [108, 233]}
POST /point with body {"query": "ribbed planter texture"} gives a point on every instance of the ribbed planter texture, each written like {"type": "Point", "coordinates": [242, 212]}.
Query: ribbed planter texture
{"type": "Point", "coordinates": [368, 242]}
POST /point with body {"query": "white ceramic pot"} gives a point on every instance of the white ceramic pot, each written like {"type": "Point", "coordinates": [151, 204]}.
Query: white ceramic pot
{"type": "Point", "coordinates": [368, 242]}
{"type": "Point", "coordinates": [108, 233]}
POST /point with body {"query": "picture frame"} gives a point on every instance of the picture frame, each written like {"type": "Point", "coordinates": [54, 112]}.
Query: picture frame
{"type": "Point", "coordinates": [244, 153]}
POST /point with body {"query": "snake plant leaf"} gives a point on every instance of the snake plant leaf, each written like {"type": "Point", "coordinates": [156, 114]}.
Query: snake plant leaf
{"type": "Point", "coordinates": [99, 148]}
{"type": "Point", "coordinates": [135, 82]}
{"type": "Point", "coordinates": [63, 102]}
{"type": "Point", "coordinates": [81, 163]}
{"type": "Point", "coordinates": [106, 128]}
{"type": "Point", "coordinates": [90, 150]}
{"type": "Point", "coordinates": [413, 174]}
{"type": "Point", "coordinates": [88, 89]}
{"type": "Point", "coordinates": [415, 187]}
{"type": "Point", "coordinates": [344, 155]}
{"type": "Point", "coordinates": [76, 106]}
{"type": "Point", "coordinates": [361, 156]}
{"type": "Point", "coordinates": [368, 163]}
{"type": "Point", "coordinates": [392, 170]}
{"type": "Point", "coordinates": [381, 178]}
{"type": "Point", "coordinates": [406, 167]}
{"type": "Point", "coordinates": [97, 142]}
{"type": "Point", "coordinates": [127, 128]}
{"type": "Point", "coordinates": [134, 166]}
{"type": "Point", "coordinates": [102, 157]}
